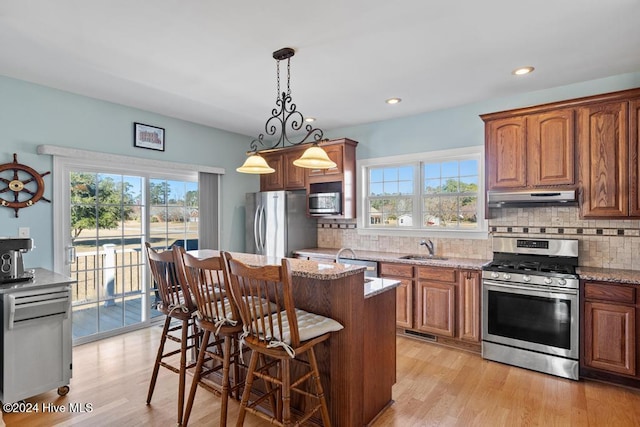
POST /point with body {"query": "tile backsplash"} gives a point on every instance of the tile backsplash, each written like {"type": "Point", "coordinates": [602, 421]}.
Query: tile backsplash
{"type": "Point", "coordinates": [602, 243]}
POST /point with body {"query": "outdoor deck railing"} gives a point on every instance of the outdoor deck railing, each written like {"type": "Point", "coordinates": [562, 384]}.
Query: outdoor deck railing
{"type": "Point", "coordinates": [107, 273]}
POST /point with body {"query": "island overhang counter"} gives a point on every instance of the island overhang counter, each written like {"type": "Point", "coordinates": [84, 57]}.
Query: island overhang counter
{"type": "Point", "coordinates": [358, 363]}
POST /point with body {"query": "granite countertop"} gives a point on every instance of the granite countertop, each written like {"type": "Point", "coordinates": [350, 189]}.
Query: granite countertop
{"type": "Point", "coordinates": [615, 275]}
{"type": "Point", "coordinates": [41, 278]}
{"type": "Point", "coordinates": [299, 267]}
{"type": "Point", "coordinates": [452, 262]}
{"type": "Point", "coordinates": [311, 269]}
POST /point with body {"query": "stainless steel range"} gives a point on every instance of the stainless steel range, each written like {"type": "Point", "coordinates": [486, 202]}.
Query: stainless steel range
{"type": "Point", "coordinates": [530, 306]}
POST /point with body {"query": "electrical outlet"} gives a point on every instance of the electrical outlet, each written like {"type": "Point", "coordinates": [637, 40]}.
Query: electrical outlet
{"type": "Point", "coordinates": [23, 232]}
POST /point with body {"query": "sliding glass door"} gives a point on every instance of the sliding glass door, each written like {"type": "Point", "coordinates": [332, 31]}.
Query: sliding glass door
{"type": "Point", "coordinates": [109, 217]}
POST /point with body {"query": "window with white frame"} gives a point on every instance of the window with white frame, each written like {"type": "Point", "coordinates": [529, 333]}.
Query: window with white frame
{"type": "Point", "coordinates": [436, 191]}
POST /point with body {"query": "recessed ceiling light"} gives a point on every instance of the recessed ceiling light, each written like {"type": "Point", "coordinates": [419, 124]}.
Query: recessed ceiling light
{"type": "Point", "coordinates": [309, 119]}
{"type": "Point", "coordinates": [522, 71]}
{"type": "Point", "coordinates": [392, 101]}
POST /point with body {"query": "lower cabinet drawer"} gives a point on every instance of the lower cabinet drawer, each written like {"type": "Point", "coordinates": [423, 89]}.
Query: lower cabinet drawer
{"type": "Point", "coordinates": [607, 292]}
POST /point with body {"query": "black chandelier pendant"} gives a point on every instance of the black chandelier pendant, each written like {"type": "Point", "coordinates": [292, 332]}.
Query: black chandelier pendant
{"type": "Point", "coordinates": [285, 117]}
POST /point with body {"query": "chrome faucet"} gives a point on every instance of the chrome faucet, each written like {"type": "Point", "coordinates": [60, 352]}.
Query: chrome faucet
{"type": "Point", "coordinates": [353, 254]}
{"type": "Point", "coordinates": [430, 247]}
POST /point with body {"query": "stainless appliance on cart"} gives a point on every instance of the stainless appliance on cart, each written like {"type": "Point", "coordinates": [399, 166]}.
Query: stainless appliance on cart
{"type": "Point", "coordinates": [277, 223]}
{"type": "Point", "coordinates": [35, 345]}
{"type": "Point", "coordinates": [530, 305]}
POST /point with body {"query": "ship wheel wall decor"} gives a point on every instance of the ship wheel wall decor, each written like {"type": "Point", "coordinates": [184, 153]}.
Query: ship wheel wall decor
{"type": "Point", "coordinates": [20, 185]}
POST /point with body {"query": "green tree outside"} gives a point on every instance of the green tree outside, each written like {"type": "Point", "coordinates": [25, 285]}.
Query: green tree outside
{"type": "Point", "coordinates": [102, 204]}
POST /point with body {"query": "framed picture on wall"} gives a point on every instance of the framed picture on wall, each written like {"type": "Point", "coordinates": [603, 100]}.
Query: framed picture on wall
{"type": "Point", "coordinates": [145, 136]}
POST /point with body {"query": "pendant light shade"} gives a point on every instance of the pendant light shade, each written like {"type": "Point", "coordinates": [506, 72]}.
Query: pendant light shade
{"type": "Point", "coordinates": [315, 157]}
{"type": "Point", "coordinates": [255, 164]}
{"type": "Point", "coordinates": [286, 118]}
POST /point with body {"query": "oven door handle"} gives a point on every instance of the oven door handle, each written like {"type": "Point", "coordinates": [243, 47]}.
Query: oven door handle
{"type": "Point", "coordinates": [549, 290]}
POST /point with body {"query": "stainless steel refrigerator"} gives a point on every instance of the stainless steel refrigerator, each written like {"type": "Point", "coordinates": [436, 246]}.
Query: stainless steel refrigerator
{"type": "Point", "coordinates": [277, 223]}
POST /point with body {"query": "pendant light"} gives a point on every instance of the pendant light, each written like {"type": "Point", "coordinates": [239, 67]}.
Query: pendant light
{"type": "Point", "coordinates": [283, 118]}
{"type": "Point", "coordinates": [256, 164]}
{"type": "Point", "coordinates": [315, 157]}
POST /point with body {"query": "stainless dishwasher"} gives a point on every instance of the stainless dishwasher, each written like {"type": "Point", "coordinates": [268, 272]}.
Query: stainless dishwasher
{"type": "Point", "coordinates": [36, 337]}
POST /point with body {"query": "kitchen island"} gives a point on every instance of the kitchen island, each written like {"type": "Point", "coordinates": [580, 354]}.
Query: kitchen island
{"type": "Point", "coordinates": [358, 363]}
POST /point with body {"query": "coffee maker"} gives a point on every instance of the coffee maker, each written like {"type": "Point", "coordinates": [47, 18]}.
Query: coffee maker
{"type": "Point", "coordinates": [11, 266]}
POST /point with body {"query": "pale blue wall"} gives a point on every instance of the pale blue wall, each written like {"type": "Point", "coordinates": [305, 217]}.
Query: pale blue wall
{"type": "Point", "coordinates": [461, 126]}
{"type": "Point", "coordinates": [31, 115]}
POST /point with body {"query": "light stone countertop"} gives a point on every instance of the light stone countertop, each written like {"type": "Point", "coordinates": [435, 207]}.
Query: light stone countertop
{"type": "Point", "coordinates": [630, 277]}
{"type": "Point", "coordinates": [41, 278]}
{"type": "Point", "coordinates": [452, 262]}
{"type": "Point", "coordinates": [311, 269]}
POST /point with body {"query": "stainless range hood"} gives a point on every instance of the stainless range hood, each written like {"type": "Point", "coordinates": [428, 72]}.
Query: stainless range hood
{"type": "Point", "coordinates": [530, 198]}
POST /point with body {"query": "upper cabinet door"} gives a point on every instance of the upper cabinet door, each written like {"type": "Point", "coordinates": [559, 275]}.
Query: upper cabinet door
{"type": "Point", "coordinates": [506, 152]}
{"type": "Point", "coordinates": [634, 160]}
{"type": "Point", "coordinates": [603, 159]}
{"type": "Point", "coordinates": [273, 181]}
{"type": "Point", "coordinates": [550, 148]}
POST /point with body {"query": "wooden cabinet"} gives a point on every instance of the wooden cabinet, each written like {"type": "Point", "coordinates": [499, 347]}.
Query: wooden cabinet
{"type": "Point", "coordinates": [634, 156]}
{"type": "Point", "coordinates": [436, 301]}
{"type": "Point", "coordinates": [404, 292]}
{"type": "Point", "coordinates": [470, 295]}
{"type": "Point", "coordinates": [440, 303]}
{"type": "Point", "coordinates": [551, 148]}
{"type": "Point", "coordinates": [611, 317]}
{"type": "Point", "coordinates": [336, 153]}
{"type": "Point", "coordinates": [505, 150]}
{"type": "Point", "coordinates": [287, 176]}
{"type": "Point", "coordinates": [531, 150]}
{"type": "Point", "coordinates": [603, 159]}
{"type": "Point", "coordinates": [340, 179]}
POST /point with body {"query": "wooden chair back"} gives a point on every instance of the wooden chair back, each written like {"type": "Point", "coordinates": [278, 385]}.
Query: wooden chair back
{"type": "Point", "coordinates": [265, 301]}
{"type": "Point", "coordinates": [169, 280]}
{"type": "Point", "coordinates": [207, 282]}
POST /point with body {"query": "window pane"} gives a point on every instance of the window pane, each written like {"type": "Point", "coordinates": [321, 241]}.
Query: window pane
{"type": "Point", "coordinates": [405, 173]}
{"type": "Point", "coordinates": [157, 190]}
{"type": "Point", "coordinates": [405, 187]}
{"type": "Point", "coordinates": [450, 185]}
{"type": "Point", "coordinates": [447, 194]}
{"type": "Point", "coordinates": [391, 212]}
{"type": "Point", "coordinates": [375, 189]}
{"type": "Point", "coordinates": [390, 188]}
{"type": "Point", "coordinates": [390, 174]}
{"type": "Point", "coordinates": [375, 175]}
{"type": "Point", "coordinates": [432, 170]}
{"type": "Point", "coordinates": [432, 185]}
{"type": "Point", "coordinates": [468, 167]}
{"type": "Point", "coordinates": [450, 169]}
{"type": "Point", "coordinates": [469, 184]}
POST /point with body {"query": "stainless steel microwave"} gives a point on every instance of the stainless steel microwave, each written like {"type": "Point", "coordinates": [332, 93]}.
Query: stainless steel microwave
{"type": "Point", "coordinates": [325, 203]}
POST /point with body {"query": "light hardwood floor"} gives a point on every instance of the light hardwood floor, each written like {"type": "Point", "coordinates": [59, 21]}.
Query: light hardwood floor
{"type": "Point", "coordinates": [436, 386]}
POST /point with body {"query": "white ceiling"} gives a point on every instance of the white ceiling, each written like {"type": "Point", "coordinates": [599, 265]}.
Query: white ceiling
{"type": "Point", "coordinates": [210, 62]}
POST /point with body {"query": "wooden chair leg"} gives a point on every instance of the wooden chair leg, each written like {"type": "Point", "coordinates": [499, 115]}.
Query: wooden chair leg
{"type": "Point", "coordinates": [156, 366]}
{"type": "Point", "coordinates": [236, 366]}
{"type": "Point", "coordinates": [274, 399]}
{"type": "Point", "coordinates": [183, 368]}
{"type": "Point", "coordinates": [326, 419]}
{"type": "Point", "coordinates": [286, 391]}
{"type": "Point", "coordinates": [225, 380]}
{"type": "Point", "coordinates": [247, 389]}
{"type": "Point", "coordinates": [196, 379]}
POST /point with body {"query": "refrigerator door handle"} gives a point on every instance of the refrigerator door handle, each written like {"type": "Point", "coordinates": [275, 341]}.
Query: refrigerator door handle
{"type": "Point", "coordinates": [261, 230]}
{"type": "Point", "coordinates": [256, 218]}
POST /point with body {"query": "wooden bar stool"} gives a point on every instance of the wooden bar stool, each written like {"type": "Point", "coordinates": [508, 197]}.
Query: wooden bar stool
{"type": "Point", "coordinates": [276, 339]}
{"type": "Point", "coordinates": [217, 316]}
{"type": "Point", "coordinates": [176, 304]}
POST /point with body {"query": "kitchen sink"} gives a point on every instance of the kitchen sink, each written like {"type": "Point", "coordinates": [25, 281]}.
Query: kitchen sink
{"type": "Point", "coordinates": [424, 258]}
